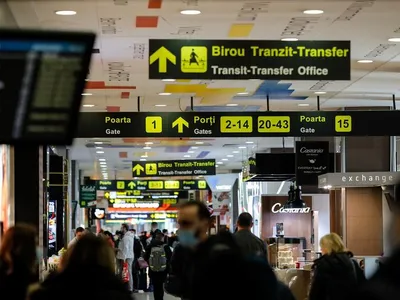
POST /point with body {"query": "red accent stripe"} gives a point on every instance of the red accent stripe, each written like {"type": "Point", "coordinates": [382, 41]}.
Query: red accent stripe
{"type": "Point", "coordinates": [113, 108]}
{"type": "Point", "coordinates": [155, 4]}
{"type": "Point", "coordinates": [146, 22]}
{"type": "Point", "coordinates": [101, 85]}
{"type": "Point", "coordinates": [125, 95]}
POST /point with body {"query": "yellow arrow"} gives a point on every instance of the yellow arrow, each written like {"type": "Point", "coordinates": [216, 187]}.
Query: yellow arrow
{"type": "Point", "coordinates": [131, 185]}
{"type": "Point", "coordinates": [180, 122]}
{"type": "Point", "coordinates": [107, 195]}
{"type": "Point", "coordinates": [162, 55]}
{"type": "Point", "coordinates": [138, 168]}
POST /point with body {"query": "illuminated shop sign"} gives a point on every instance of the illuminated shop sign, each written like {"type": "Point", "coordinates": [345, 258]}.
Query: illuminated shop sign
{"type": "Point", "coordinates": [141, 216]}
{"type": "Point", "coordinates": [358, 179]}
{"type": "Point", "coordinates": [278, 209]}
{"type": "Point", "coordinates": [122, 203]}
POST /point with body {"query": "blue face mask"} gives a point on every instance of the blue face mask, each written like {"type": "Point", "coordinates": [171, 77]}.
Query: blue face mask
{"type": "Point", "coordinates": [187, 238]}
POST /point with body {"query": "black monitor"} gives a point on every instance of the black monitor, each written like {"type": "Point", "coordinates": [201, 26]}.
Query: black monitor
{"type": "Point", "coordinates": [42, 77]}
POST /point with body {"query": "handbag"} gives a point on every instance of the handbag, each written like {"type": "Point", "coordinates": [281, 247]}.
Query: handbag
{"type": "Point", "coordinates": [125, 272]}
{"type": "Point", "coordinates": [142, 263]}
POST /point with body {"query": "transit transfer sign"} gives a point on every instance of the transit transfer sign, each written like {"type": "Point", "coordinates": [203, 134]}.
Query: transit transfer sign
{"type": "Point", "coordinates": [249, 59]}
{"type": "Point", "coordinates": [238, 124]}
{"type": "Point", "coordinates": [193, 167]}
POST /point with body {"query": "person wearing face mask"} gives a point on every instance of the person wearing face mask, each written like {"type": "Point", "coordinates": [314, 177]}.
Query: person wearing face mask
{"type": "Point", "coordinates": [193, 220]}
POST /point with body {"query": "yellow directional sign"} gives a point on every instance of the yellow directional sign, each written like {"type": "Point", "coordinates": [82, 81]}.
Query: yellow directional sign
{"type": "Point", "coordinates": [151, 169]}
{"type": "Point", "coordinates": [131, 185]}
{"type": "Point", "coordinates": [163, 55]}
{"type": "Point", "coordinates": [202, 184]}
{"type": "Point", "coordinates": [236, 124]}
{"type": "Point", "coordinates": [120, 185]}
{"type": "Point", "coordinates": [172, 184]}
{"type": "Point", "coordinates": [343, 124]}
{"type": "Point", "coordinates": [156, 185]}
{"type": "Point", "coordinates": [107, 195]}
{"type": "Point", "coordinates": [274, 124]}
{"type": "Point", "coordinates": [138, 168]}
{"type": "Point", "coordinates": [154, 124]}
{"type": "Point", "coordinates": [180, 123]}
{"type": "Point", "coordinates": [194, 59]}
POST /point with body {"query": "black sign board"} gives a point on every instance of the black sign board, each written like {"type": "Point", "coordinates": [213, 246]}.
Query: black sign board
{"type": "Point", "coordinates": [245, 124]}
{"type": "Point", "coordinates": [151, 185]}
{"type": "Point", "coordinates": [87, 195]}
{"type": "Point", "coordinates": [41, 83]}
{"type": "Point", "coordinates": [249, 59]}
{"type": "Point", "coordinates": [312, 160]}
{"type": "Point", "coordinates": [170, 168]}
{"type": "Point", "coordinates": [98, 213]}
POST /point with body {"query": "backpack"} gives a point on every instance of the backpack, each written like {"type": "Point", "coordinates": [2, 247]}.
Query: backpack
{"type": "Point", "coordinates": [158, 259]}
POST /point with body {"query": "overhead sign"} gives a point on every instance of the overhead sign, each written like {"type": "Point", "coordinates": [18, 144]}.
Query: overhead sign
{"type": "Point", "coordinates": [239, 124]}
{"type": "Point", "coordinates": [98, 213]}
{"type": "Point", "coordinates": [87, 195]}
{"type": "Point", "coordinates": [173, 168]}
{"type": "Point", "coordinates": [141, 216]}
{"type": "Point", "coordinates": [312, 160]}
{"type": "Point", "coordinates": [277, 208]}
{"type": "Point", "coordinates": [249, 59]}
{"type": "Point", "coordinates": [151, 185]}
{"type": "Point", "coordinates": [358, 179]}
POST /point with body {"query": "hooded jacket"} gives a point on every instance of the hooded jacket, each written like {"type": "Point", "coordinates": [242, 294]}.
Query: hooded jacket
{"type": "Point", "coordinates": [125, 246]}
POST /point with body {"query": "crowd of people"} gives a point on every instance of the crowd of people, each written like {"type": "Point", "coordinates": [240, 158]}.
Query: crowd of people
{"type": "Point", "coordinates": [192, 265]}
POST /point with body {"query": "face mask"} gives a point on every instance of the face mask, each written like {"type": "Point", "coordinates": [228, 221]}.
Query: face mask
{"type": "Point", "coordinates": [39, 254]}
{"type": "Point", "coordinates": [187, 238]}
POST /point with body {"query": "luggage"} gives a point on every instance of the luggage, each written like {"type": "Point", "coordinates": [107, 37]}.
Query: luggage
{"type": "Point", "coordinates": [142, 280]}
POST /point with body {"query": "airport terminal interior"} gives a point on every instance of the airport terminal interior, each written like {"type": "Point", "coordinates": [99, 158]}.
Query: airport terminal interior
{"type": "Point", "coordinates": [127, 109]}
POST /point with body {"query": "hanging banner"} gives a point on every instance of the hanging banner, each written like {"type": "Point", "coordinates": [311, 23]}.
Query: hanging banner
{"type": "Point", "coordinates": [312, 160]}
{"type": "Point", "coordinates": [239, 124]}
{"type": "Point", "coordinates": [249, 59]}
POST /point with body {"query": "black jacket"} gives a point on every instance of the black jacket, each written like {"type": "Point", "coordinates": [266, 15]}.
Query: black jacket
{"type": "Point", "coordinates": [82, 283]}
{"type": "Point", "coordinates": [384, 284]}
{"type": "Point", "coordinates": [157, 243]}
{"type": "Point", "coordinates": [336, 277]}
{"type": "Point", "coordinates": [250, 244]}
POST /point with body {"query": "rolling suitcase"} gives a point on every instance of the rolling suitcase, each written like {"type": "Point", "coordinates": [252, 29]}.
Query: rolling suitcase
{"type": "Point", "coordinates": [142, 280]}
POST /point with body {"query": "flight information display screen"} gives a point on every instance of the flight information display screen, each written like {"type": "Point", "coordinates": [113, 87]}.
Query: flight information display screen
{"type": "Point", "coordinates": [42, 77]}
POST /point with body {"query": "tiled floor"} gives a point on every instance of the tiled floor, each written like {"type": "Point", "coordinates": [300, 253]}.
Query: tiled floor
{"type": "Point", "coordinates": [149, 296]}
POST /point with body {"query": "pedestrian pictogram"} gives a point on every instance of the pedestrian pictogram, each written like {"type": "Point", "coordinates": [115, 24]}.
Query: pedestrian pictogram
{"type": "Point", "coordinates": [194, 59]}
{"type": "Point", "coordinates": [151, 169]}
{"type": "Point", "coordinates": [163, 55]}
{"type": "Point", "coordinates": [180, 123]}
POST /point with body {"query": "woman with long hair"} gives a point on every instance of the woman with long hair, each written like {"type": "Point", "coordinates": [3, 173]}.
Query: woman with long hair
{"type": "Point", "coordinates": [336, 274]}
{"type": "Point", "coordinates": [87, 270]}
{"type": "Point", "coordinates": [18, 261]}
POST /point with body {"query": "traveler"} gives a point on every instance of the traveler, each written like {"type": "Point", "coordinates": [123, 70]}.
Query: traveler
{"type": "Point", "coordinates": [247, 241]}
{"type": "Point", "coordinates": [78, 234]}
{"type": "Point", "coordinates": [91, 263]}
{"type": "Point", "coordinates": [154, 227]}
{"type": "Point", "coordinates": [336, 274]}
{"type": "Point", "coordinates": [158, 255]}
{"type": "Point", "coordinates": [125, 252]}
{"type": "Point", "coordinates": [18, 262]}
{"type": "Point", "coordinates": [165, 233]}
{"type": "Point", "coordinates": [109, 238]}
{"type": "Point", "coordinates": [137, 253]}
{"type": "Point", "coordinates": [193, 220]}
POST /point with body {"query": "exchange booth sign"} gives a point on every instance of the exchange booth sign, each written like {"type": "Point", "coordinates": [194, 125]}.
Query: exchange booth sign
{"type": "Point", "coordinates": [239, 124]}
{"type": "Point", "coordinates": [173, 168]}
{"type": "Point", "coordinates": [247, 59]}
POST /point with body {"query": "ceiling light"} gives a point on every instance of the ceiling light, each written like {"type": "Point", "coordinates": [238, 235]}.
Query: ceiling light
{"type": "Point", "coordinates": [160, 105]}
{"type": "Point", "coordinates": [194, 147]}
{"type": "Point", "coordinates": [289, 39]}
{"type": "Point", "coordinates": [164, 94]}
{"type": "Point", "coordinates": [313, 12]}
{"type": "Point", "coordinates": [186, 156]}
{"type": "Point", "coordinates": [98, 143]}
{"type": "Point", "coordinates": [144, 156]}
{"type": "Point", "coordinates": [229, 155]}
{"type": "Point", "coordinates": [146, 148]}
{"type": "Point", "coordinates": [199, 143]}
{"type": "Point", "coordinates": [190, 12]}
{"type": "Point", "coordinates": [365, 61]}
{"type": "Point", "coordinates": [149, 143]}
{"type": "Point", "coordinates": [242, 147]}
{"type": "Point", "coordinates": [320, 93]}
{"type": "Point", "coordinates": [87, 94]}
{"type": "Point", "coordinates": [224, 159]}
{"type": "Point", "coordinates": [143, 159]}
{"type": "Point", "coordinates": [169, 80]}
{"type": "Point", "coordinates": [394, 40]}
{"type": "Point", "coordinates": [235, 151]}
{"type": "Point", "coordinates": [100, 152]}
{"type": "Point", "coordinates": [99, 147]}
{"type": "Point", "coordinates": [102, 159]}
{"type": "Point", "coordinates": [191, 152]}
{"type": "Point", "coordinates": [220, 163]}
{"type": "Point", "coordinates": [103, 163]}
{"type": "Point", "coordinates": [88, 105]}
{"type": "Point", "coordinates": [249, 142]}
{"type": "Point", "coordinates": [242, 93]}
{"type": "Point", "coordinates": [232, 104]}
{"type": "Point", "coordinates": [303, 104]}
{"type": "Point", "coordinates": [216, 166]}
{"type": "Point", "coordinates": [65, 12]}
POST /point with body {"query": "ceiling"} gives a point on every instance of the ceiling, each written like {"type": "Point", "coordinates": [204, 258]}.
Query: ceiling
{"type": "Point", "coordinates": [119, 70]}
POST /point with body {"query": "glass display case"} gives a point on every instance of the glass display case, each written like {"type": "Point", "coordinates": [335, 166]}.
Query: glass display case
{"type": "Point", "coordinates": [284, 252]}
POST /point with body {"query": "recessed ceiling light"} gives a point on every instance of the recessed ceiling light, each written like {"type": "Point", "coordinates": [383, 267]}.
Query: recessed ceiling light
{"type": "Point", "coordinates": [169, 80]}
{"type": "Point", "coordinates": [229, 155]}
{"type": "Point", "coordinates": [194, 147]}
{"type": "Point", "coordinates": [148, 143]}
{"type": "Point", "coordinates": [394, 40]}
{"type": "Point", "coordinates": [199, 143]}
{"type": "Point", "coordinates": [100, 152]}
{"type": "Point", "coordinates": [242, 147]}
{"type": "Point", "coordinates": [190, 12]}
{"type": "Point", "coordinates": [313, 12]}
{"type": "Point", "coordinates": [146, 148]}
{"type": "Point", "coordinates": [164, 94]}
{"type": "Point", "coordinates": [365, 61]}
{"type": "Point", "coordinates": [216, 166]}
{"type": "Point", "coordinates": [289, 39]}
{"type": "Point", "coordinates": [320, 93]}
{"type": "Point", "coordinates": [99, 147]}
{"type": "Point", "coordinates": [242, 93]}
{"type": "Point", "coordinates": [160, 105]}
{"type": "Point", "coordinates": [88, 105]}
{"type": "Point", "coordinates": [224, 159]}
{"type": "Point", "coordinates": [232, 104]}
{"type": "Point", "coordinates": [303, 104]}
{"type": "Point", "coordinates": [186, 156]}
{"type": "Point", "coordinates": [103, 163]}
{"type": "Point", "coordinates": [102, 159]}
{"type": "Point", "coordinates": [191, 152]}
{"type": "Point", "coordinates": [235, 151]}
{"type": "Point", "coordinates": [65, 12]}
{"type": "Point", "coordinates": [87, 94]}
{"type": "Point", "coordinates": [249, 142]}
{"type": "Point", "coordinates": [98, 143]}
{"type": "Point", "coordinates": [220, 163]}
{"type": "Point", "coordinates": [144, 156]}
{"type": "Point", "coordinates": [143, 159]}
